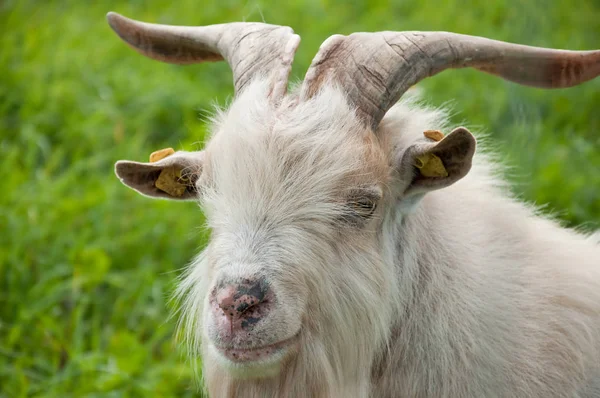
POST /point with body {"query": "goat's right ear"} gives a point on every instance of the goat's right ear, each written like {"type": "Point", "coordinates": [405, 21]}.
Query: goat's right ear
{"type": "Point", "coordinates": [169, 175]}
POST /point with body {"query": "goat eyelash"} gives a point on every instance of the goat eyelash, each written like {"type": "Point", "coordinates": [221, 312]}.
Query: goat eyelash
{"type": "Point", "coordinates": [363, 207]}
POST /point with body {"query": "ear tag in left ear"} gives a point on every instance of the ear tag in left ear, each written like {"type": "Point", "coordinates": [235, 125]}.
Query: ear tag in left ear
{"type": "Point", "coordinates": [434, 135]}
{"type": "Point", "coordinates": [169, 179]}
{"type": "Point", "coordinates": [429, 164]}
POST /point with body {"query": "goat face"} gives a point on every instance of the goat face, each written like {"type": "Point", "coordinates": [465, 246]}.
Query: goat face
{"type": "Point", "coordinates": [298, 196]}
{"type": "Point", "coordinates": [295, 197]}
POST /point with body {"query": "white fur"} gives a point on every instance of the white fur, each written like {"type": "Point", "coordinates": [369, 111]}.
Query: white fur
{"type": "Point", "coordinates": [465, 293]}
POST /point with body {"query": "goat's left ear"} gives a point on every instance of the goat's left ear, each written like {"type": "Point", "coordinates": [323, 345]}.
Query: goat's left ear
{"type": "Point", "coordinates": [168, 175]}
{"type": "Point", "coordinates": [438, 163]}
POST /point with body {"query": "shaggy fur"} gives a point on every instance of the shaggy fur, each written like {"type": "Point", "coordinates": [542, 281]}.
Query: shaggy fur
{"type": "Point", "coordinates": [462, 292]}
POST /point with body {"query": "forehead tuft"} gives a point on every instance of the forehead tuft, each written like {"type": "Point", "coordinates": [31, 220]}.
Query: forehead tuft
{"type": "Point", "coordinates": [316, 148]}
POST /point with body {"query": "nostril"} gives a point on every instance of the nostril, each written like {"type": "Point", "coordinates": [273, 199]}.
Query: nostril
{"type": "Point", "coordinates": [225, 299]}
{"type": "Point", "coordinates": [241, 299]}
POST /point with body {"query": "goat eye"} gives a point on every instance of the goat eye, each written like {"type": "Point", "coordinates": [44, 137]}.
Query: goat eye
{"type": "Point", "coordinates": [361, 204]}
{"type": "Point", "coordinates": [363, 207]}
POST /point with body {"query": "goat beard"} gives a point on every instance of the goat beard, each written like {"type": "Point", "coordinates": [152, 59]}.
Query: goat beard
{"type": "Point", "coordinates": [313, 370]}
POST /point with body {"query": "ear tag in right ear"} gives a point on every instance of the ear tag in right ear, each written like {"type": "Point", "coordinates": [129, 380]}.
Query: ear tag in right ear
{"type": "Point", "coordinates": [430, 165]}
{"type": "Point", "coordinates": [169, 179]}
{"type": "Point", "coordinates": [161, 154]}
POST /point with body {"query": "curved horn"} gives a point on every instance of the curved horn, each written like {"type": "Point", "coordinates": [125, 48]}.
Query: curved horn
{"type": "Point", "coordinates": [375, 69]}
{"type": "Point", "coordinates": [250, 49]}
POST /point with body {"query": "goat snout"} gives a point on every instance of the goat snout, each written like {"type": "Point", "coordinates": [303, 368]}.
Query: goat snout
{"type": "Point", "coordinates": [241, 305]}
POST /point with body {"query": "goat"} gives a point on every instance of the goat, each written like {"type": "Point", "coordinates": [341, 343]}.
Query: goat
{"type": "Point", "coordinates": [355, 250]}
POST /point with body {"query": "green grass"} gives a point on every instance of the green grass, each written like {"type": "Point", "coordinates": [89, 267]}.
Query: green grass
{"type": "Point", "coordinates": [87, 266]}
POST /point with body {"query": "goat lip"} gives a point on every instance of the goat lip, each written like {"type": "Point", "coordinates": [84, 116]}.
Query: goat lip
{"type": "Point", "coordinates": [252, 354]}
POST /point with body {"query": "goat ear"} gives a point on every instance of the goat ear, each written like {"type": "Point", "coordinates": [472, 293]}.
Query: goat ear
{"type": "Point", "coordinates": [169, 175]}
{"type": "Point", "coordinates": [434, 165]}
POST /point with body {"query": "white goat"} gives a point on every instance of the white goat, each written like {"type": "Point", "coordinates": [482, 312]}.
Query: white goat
{"type": "Point", "coordinates": [337, 265]}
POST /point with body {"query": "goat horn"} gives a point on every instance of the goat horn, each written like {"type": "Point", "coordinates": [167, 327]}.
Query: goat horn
{"type": "Point", "coordinates": [375, 69]}
{"type": "Point", "coordinates": [250, 49]}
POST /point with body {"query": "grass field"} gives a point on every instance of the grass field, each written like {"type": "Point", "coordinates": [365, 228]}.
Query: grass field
{"type": "Point", "coordinates": [87, 266]}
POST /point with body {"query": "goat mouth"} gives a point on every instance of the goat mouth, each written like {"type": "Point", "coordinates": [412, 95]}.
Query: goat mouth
{"type": "Point", "coordinates": [258, 354]}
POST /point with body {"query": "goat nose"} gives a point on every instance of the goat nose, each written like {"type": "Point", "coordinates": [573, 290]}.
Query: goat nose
{"type": "Point", "coordinates": [243, 303]}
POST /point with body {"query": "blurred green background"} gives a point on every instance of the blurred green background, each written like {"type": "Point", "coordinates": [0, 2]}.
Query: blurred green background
{"type": "Point", "coordinates": [87, 266]}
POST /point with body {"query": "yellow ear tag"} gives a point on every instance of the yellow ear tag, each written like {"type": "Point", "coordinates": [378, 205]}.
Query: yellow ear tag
{"type": "Point", "coordinates": [169, 179]}
{"type": "Point", "coordinates": [161, 154]}
{"type": "Point", "coordinates": [430, 166]}
{"type": "Point", "coordinates": [435, 135]}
